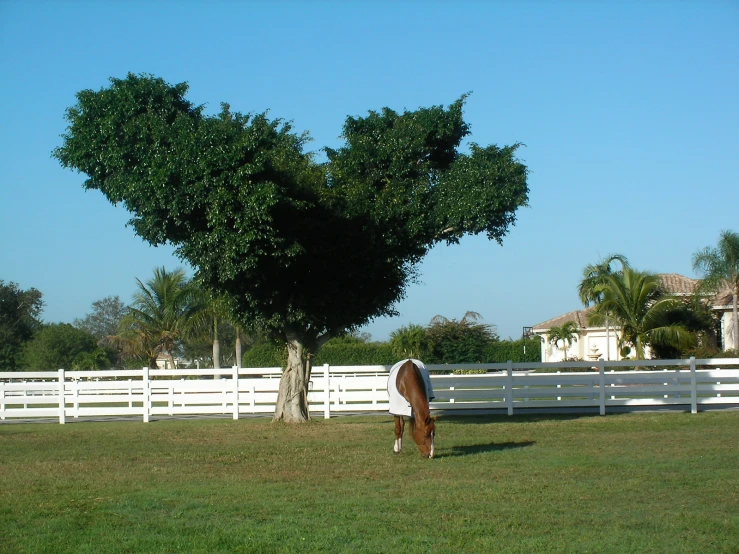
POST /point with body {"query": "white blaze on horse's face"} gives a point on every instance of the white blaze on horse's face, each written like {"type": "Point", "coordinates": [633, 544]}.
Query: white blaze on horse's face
{"type": "Point", "coordinates": [431, 454]}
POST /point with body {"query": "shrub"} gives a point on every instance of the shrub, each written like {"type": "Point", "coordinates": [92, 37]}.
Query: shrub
{"type": "Point", "coordinates": [502, 351]}
{"type": "Point", "coordinates": [339, 352]}
{"type": "Point", "coordinates": [265, 355]}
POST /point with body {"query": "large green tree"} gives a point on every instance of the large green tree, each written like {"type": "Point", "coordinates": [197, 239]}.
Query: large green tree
{"type": "Point", "coordinates": [104, 319]}
{"type": "Point", "coordinates": [459, 341]}
{"type": "Point", "coordinates": [720, 267]}
{"type": "Point", "coordinates": [19, 320]}
{"type": "Point", "coordinates": [304, 249]}
{"type": "Point", "coordinates": [635, 301]}
{"type": "Point", "coordinates": [62, 346]}
{"type": "Point", "coordinates": [103, 323]}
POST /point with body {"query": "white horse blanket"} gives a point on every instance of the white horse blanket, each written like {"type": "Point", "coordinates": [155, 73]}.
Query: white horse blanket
{"type": "Point", "coordinates": [398, 404]}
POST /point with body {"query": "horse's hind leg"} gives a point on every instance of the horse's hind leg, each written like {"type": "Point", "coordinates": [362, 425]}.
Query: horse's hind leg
{"type": "Point", "coordinates": [399, 428]}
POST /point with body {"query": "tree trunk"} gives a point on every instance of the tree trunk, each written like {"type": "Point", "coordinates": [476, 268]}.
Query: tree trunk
{"type": "Point", "coordinates": [216, 346]}
{"type": "Point", "coordinates": [736, 319]}
{"type": "Point", "coordinates": [238, 348]}
{"type": "Point", "coordinates": [292, 398]}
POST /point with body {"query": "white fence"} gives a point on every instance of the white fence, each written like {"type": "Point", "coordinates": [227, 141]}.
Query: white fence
{"type": "Point", "coordinates": [508, 388]}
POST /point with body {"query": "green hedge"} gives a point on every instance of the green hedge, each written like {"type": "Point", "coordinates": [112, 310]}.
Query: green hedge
{"type": "Point", "coordinates": [342, 352]}
{"type": "Point", "coordinates": [363, 353]}
{"type": "Point", "coordinates": [503, 351]}
{"type": "Point", "coordinates": [333, 353]}
{"type": "Point", "coordinates": [265, 355]}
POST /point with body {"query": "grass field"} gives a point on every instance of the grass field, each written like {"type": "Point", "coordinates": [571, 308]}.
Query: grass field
{"type": "Point", "coordinates": [633, 483]}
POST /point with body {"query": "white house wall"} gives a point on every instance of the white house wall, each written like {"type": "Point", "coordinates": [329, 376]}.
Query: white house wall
{"type": "Point", "coordinates": [592, 344]}
{"type": "Point", "coordinates": [727, 330]}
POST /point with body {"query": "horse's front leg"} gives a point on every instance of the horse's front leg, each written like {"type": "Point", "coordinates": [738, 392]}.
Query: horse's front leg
{"type": "Point", "coordinates": [399, 428]}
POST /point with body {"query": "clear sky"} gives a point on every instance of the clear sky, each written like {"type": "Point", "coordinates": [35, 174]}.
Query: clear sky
{"type": "Point", "coordinates": [629, 112]}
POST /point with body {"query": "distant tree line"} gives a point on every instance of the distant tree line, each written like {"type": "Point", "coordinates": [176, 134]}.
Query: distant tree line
{"type": "Point", "coordinates": [171, 318]}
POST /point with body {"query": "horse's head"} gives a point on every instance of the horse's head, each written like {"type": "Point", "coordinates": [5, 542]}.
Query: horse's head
{"type": "Point", "coordinates": [424, 432]}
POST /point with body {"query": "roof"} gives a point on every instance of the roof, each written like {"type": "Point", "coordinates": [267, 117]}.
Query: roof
{"type": "Point", "coordinates": [724, 298]}
{"type": "Point", "coordinates": [578, 317]}
{"type": "Point", "coordinates": [674, 283]}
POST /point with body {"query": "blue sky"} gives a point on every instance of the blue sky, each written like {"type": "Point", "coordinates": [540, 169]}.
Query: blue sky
{"type": "Point", "coordinates": [629, 112]}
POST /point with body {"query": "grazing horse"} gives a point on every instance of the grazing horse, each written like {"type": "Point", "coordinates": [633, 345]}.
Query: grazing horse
{"type": "Point", "coordinates": [410, 390]}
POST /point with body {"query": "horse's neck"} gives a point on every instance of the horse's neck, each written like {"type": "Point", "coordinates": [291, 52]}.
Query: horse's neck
{"type": "Point", "coordinates": [413, 389]}
{"type": "Point", "coordinates": [421, 408]}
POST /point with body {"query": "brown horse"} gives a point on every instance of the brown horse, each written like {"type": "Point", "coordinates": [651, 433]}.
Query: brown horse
{"type": "Point", "coordinates": [411, 386]}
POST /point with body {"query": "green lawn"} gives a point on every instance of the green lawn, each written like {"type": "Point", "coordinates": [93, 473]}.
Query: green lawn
{"type": "Point", "coordinates": [649, 482]}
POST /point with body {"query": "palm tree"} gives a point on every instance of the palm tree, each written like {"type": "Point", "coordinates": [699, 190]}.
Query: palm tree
{"type": "Point", "coordinates": [213, 312]}
{"type": "Point", "coordinates": [635, 301]}
{"type": "Point", "coordinates": [593, 277]}
{"type": "Point", "coordinates": [721, 269]}
{"type": "Point", "coordinates": [160, 317]}
{"type": "Point", "coordinates": [567, 333]}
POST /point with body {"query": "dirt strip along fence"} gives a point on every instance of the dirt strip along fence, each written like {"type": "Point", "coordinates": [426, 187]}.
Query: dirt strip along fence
{"type": "Point", "coordinates": [508, 388]}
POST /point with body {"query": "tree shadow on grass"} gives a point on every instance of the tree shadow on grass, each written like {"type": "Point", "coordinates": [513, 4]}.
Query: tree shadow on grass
{"type": "Point", "coordinates": [471, 449]}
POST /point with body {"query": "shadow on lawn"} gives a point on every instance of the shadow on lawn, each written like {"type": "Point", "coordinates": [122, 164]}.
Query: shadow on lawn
{"type": "Point", "coordinates": [471, 449]}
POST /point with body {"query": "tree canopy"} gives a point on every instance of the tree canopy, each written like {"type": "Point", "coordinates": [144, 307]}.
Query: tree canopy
{"type": "Point", "coordinates": [60, 345]}
{"type": "Point", "coordinates": [303, 248]}
{"type": "Point", "coordinates": [19, 320]}
{"type": "Point", "coordinates": [458, 341]}
{"type": "Point", "coordinates": [595, 275]}
{"type": "Point", "coordinates": [636, 302]}
{"type": "Point", "coordinates": [104, 319]}
{"type": "Point", "coordinates": [163, 312]}
{"type": "Point", "coordinates": [720, 267]}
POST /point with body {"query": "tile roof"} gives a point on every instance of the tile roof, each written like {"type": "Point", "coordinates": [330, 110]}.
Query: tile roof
{"type": "Point", "coordinates": [578, 317]}
{"type": "Point", "coordinates": [674, 283]}
{"type": "Point", "coordinates": [724, 298]}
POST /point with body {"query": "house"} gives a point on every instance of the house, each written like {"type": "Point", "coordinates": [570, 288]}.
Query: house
{"type": "Point", "coordinates": [166, 361]}
{"type": "Point", "coordinates": [594, 343]}
{"type": "Point", "coordinates": [723, 303]}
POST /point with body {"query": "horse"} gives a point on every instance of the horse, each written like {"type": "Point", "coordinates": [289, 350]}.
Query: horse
{"type": "Point", "coordinates": [410, 385]}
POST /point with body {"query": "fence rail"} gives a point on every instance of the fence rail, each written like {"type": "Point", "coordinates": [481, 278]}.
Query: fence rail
{"type": "Point", "coordinates": [678, 384]}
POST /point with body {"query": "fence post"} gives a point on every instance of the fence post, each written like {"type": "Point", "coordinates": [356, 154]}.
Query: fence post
{"type": "Point", "coordinates": [693, 388]}
{"type": "Point", "coordinates": [146, 384]}
{"type": "Point", "coordinates": [327, 392]}
{"type": "Point", "coordinates": [509, 388]}
{"type": "Point", "coordinates": [75, 398]}
{"type": "Point", "coordinates": [602, 386]}
{"type": "Point", "coordinates": [62, 403]}
{"type": "Point", "coordinates": [236, 391]}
